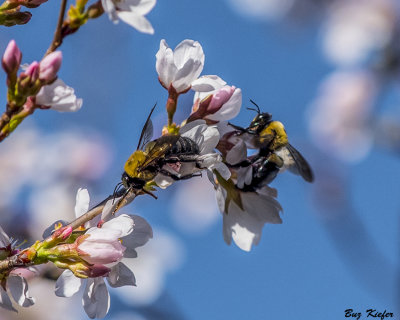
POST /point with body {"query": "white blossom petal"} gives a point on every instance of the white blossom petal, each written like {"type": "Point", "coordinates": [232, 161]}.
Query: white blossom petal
{"type": "Point", "coordinates": [5, 301]}
{"type": "Point", "coordinates": [19, 290]}
{"type": "Point", "coordinates": [142, 233]}
{"type": "Point", "coordinates": [207, 83]}
{"type": "Point", "coordinates": [136, 20]}
{"type": "Point", "coordinates": [143, 7]}
{"type": "Point", "coordinates": [67, 284]}
{"type": "Point", "coordinates": [245, 226]}
{"type": "Point", "coordinates": [82, 202]}
{"type": "Point", "coordinates": [4, 239]}
{"type": "Point", "coordinates": [123, 223]}
{"type": "Point", "coordinates": [121, 275]}
{"type": "Point", "coordinates": [165, 65]}
{"type": "Point", "coordinates": [181, 66]}
{"type": "Point", "coordinates": [96, 299]}
{"type": "Point", "coordinates": [238, 153]}
{"type": "Point", "coordinates": [58, 96]}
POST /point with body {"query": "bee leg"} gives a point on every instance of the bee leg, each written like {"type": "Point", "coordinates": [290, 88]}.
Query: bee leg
{"type": "Point", "coordinates": [182, 158]}
{"type": "Point", "coordinates": [177, 178]}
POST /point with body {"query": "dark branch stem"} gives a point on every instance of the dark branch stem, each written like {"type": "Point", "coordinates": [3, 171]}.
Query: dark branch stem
{"type": "Point", "coordinates": [57, 40]}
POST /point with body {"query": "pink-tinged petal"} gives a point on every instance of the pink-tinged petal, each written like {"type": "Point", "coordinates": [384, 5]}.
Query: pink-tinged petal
{"type": "Point", "coordinates": [219, 98]}
{"type": "Point", "coordinates": [11, 58]}
{"type": "Point", "coordinates": [19, 290]}
{"type": "Point", "coordinates": [49, 66]}
{"type": "Point", "coordinates": [96, 299]}
{"type": "Point", "coordinates": [230, 109]}
{"type": "Point", "coordinates": [82, 202]}
{"type": "Point", "coordinates": [136, 20]}
{"type": "Point", "coordinates": [207, 83]}
{"type": "Point", "coordinates": [102, 252]}
{"type": "Point", "coordinates": [5, 301]}
{"type": "Point", "coordinates": [121, 275]}
{"type": "Point", "coordinates": [165, 65]}
{"type": "Point", "coordinates": [32, 71]}
{"type": "Point", "coordinates": [238, 153]}
{"type": "Point", "coordinates": [67, 284]}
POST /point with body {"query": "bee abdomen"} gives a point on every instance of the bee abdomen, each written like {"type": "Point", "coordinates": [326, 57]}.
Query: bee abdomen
{"type": "Point", "coordinates": [184, 145]}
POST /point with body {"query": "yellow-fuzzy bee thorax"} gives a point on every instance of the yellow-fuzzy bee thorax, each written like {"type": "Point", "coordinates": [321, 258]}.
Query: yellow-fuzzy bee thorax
{"type": "Point", "coordinates": [135, 160]}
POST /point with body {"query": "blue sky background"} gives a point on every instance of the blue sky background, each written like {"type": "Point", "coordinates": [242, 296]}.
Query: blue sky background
{"type": "Point", "coordinates": [316, 264]}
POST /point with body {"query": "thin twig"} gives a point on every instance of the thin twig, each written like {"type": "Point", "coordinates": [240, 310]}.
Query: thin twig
{"type": "Point", "coordinates": [57, 40]}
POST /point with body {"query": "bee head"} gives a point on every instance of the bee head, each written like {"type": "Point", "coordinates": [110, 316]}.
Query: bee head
{"type": "Point", "coordinates": [260, 121]}
{"type": "Point", "coordinates": [135, 183]}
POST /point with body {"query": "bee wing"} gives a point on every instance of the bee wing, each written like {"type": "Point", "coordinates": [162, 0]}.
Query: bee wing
{"type": "Point", "coordinates": [301, 164]}
{"type": "Point", "coordinates": [147, 131]}
{"type": "Point", "coordinates": [158, 148]}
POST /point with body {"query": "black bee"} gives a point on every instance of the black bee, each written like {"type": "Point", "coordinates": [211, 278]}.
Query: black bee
{"type": "Point", "coordinates": [275, 151]}
{"type": "Point", "coordinates": [153, 157]}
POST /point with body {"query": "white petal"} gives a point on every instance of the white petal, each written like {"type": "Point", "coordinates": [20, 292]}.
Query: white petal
{"type": "Point", "coordinates": [207, 83]}
{"type": "Point", "coordinates": [4, 239]}
{"type": "Point", "coordinates": [123, 223]}
{"type": "Point", "coordinates": [96, 299]}
{"type": "Point", "coordinates": [211, 138]}
{"type": "Point", "coordinates": [165, 65]}
{"type": "Point", "coordinates": [19, 290]}
{"type": "Point", "coordinates": [143, 7]}
{"type": "Point", "coordinates": [136, 20]}
{"type": "Point", "coordinates": [230, 109]}
{"type": "Point", "coordinates": [142, 233]}
{"type": "Point", "coordinates": [59, 97]}
{"type": "Point", "coordinates": [109, 8]}
{"type": "Point", "coordinates": [245, 227]}
{"type": "Point", "coordinates": [82, 202]}
{"type": "Point", "coordinates": [163, 181]}
{"type": "Point", "coordinates": [188, 50]}
{"type": "Point", "coordinates": [121, 275]}
{"type": "Point", "coordinates": [5, 301]}
{"type": "Point", "coordinates": [187, 74]}
{"type": "Point", "coordinates": [223, 170]}
{"type": "Point", "coordinates": [238, 153]}
{"type": "Point", "coordinates": [191, 125]}
{"type": "Point", "coordinates": [244, 176]}
{"type": "Point", "coordinates": [67, 284]}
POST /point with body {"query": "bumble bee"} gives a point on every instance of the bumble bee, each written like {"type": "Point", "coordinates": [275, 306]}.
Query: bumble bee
{"type": "Point", "coordinates": [275, 151]}
{"type": "Point", "coordinates": [151, 158]}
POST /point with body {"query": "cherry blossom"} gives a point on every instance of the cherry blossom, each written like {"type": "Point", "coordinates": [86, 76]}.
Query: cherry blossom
{"type": "Point", "coordinates": [131, 12]}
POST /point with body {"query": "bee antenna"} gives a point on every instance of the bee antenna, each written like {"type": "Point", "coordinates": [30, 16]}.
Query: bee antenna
{"type": "Point", "coordinates": [115, 190]}
{"type": "Point", "coordinates": [258, 108]}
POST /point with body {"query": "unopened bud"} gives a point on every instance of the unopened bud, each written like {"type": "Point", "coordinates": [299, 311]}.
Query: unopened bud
{"type": "Point", "coordinates": [11, 58]}
{"type": "Point", "coordinates": [95, 10]}
{"type": "Point", "coordinates": [10, 19]}
{"type": "Point", "coordinates": [49, 66]}
{"type": "Point", "coordinates": [33, 3]}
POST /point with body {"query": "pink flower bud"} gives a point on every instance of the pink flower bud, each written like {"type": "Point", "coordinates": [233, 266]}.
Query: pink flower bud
{"type": "Point", "coordinates": [62, 233]}
{"type": "Point", "coordinates": [49, 66]}
{"type": "Point", "coordinates": [32, 71]}
{"type": "Point", "coordinates": [220, 98]}
{"type": "Point", "coordinates": [11, 58]}
{"type": "Point", "coordinates": [98, 270]}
